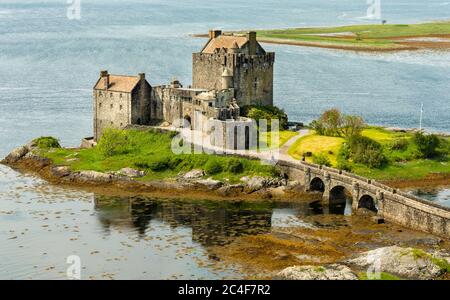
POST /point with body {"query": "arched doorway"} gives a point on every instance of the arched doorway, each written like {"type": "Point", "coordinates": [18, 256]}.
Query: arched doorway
{"type": "Point", "coordinates": [317, 185]}
{"type": "Point", "coordinates": [367, 202]}
{"type": "Point", "coordinates": [340, 201]}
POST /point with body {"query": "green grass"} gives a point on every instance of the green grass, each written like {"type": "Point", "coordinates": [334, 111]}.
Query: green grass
{"type": "Point", "coordinates": [402, 164]}
{"type": "Point", "coordinates": [383, 276]}
{"type": "Point", "coordinates": [144, 149]}
{"type": "Point", "coordinates": [316, 144]}
{"type": "Point", "coordinates": [283, 137]}
{"type": "Point", "coordinates": [441, 263]}
{"type": "Point", "coordinates": [370, 36]}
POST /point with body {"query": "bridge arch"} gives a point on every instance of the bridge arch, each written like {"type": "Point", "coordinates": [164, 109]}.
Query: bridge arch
{"type": "Point", "coordinates": [340, 200]}
{"type": "Point", "coordinates": [368, 202]}
{"type": "Point", "coordinates": [317, 184]}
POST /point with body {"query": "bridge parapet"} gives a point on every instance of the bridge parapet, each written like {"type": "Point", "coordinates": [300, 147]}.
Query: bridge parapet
{"type": "Point", "coordinates": [393, 205]}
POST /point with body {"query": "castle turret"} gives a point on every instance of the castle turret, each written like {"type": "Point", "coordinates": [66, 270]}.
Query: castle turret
{"type": "Point", "coordinates": [227, 79]}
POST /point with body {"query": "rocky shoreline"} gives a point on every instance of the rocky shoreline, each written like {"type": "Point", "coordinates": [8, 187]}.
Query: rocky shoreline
{"type": "Point", "coordinates": [190, 185]}
{"type": "Point", "coordinates": [390, 263]}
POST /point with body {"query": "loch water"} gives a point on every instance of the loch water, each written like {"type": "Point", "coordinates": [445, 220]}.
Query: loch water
{"type": "Point", "coordinates": [49, 63]}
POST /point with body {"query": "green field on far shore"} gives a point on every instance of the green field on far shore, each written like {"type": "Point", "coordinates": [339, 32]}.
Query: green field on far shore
{"type": "Point", "coordinates": [356, 36]}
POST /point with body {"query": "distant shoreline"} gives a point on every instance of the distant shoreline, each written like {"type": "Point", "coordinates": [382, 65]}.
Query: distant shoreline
{"type": "Point", "coordinates": [365, 38]}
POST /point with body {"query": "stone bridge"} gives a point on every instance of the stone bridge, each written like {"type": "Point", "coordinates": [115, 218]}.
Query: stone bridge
{"type": "Point", "coordinates": [388, 203]}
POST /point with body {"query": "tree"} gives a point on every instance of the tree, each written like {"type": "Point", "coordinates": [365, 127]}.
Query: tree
{"type": "Point", "coordinates": [329, 123]}
{"type": "Point", "coordinates": [353, 126]}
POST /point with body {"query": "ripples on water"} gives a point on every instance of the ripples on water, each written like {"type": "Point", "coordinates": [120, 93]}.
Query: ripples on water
{"type": "Point", "coordinates": [128, 237]}
{"type": "Point", "coordinates": [48, 65]}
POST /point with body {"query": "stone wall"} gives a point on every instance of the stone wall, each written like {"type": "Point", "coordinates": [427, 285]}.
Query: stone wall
{"type": "Point", "coordinates": [118, 109]}
{"type": "Point", "coordinates": [252, 75]}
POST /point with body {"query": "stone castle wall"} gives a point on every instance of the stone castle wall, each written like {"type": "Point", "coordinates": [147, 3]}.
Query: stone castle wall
{"type": "Point", "coordinates": [252, 75]}
{"type": "Point", "coordinates": [118, 109]}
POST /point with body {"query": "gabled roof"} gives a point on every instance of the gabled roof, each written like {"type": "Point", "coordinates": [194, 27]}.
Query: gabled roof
{"type": "Point", "coordinates": [119, 83]}
{"type": "Point", "coordinates": [225, 41]}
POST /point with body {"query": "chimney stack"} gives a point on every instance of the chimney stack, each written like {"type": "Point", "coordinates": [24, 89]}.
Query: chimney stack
{"type": "Point", "coordinates": [214, 33]}
{"type": "Point", "coordinates": [105, 78]}
{"type": "Point", "coordinates": [251, 36]}
{"type": "Point", "coordinates": [142, 76]}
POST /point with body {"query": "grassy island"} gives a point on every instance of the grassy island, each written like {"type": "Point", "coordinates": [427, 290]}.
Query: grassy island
{"type": "Point", "coordinates": [364, 37]}
{"type": "Point", "coordinates": [149, 151]}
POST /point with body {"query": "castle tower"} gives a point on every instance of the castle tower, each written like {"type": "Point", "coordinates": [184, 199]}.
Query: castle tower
{"type": "Point", "coordinates": [227, 79]}
{"type": "Point", "coordinates": [250, 65]}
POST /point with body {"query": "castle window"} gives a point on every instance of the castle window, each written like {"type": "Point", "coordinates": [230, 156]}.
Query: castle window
{"type": "Point", "coordinates": [100, 105]}
{"type": "Point", "coordinates": [111, 105]}
{"type": "Point", "coordinates": [100, 93]}
{"type": "Point", "coordinates": [120, 95]}
{"type": "Point", "coordinates": [210, 104]}
{"type": "Point", "coordinates": [111, 95]}
{"type": "Point", "coordinates": [120, 107]}
{"type": "Point", "coordinates": [121, 124]}
{"type": "Point", "coordinates": [255, 83]}
{"type": "Point", "coordinates": [112, 123]}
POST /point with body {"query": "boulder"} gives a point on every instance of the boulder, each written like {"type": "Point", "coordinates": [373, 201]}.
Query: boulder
{"type": "Point", "coordinates": [93, 176]}
{"type": "Point", "coordinates": [16, 154]}
{"type": "Point", "coordinates": [209, 183]}
{"type": "Point", "coordinates": [193, 174]}
{"type": "Point", "coordinates": [255, 183]}
{"type": "Point", "coordinates": [61, 171]}
{"type": "Point", "coordinates": [231, 190]}
{"type": "Point", "coordinates": [329, 272]}
{"type": "Point", "coordinates": [404, 262]}
{"type": "Point", "coordinates": [129, 172]}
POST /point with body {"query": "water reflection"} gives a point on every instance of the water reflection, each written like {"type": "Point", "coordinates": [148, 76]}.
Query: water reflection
{"type": "Point", "coordinates": [211, 223]}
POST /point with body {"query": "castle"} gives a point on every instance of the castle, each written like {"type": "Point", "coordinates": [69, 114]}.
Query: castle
{"type": "Point", "coordinates": [231, 71]}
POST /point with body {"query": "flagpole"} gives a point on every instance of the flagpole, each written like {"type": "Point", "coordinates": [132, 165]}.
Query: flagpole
{"type": "Point", "coordinates": [421, 116]}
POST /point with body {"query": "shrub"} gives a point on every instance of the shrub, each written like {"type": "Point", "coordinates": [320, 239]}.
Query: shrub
{"type": "Point", "coordinates": [159, 165]}
{"type": "Point", "coordinates": [213, 167]}
{"type": "Point", "coordinates": [261, 112]}
{"type": "Point", "coordinates": [113, 142]}
{"type": "Point", "coordinates": [366, 151]}
{"type": "Point", "coordinates": [321, 159]}
{"type": "Point", "coordinates": [426, 144]}
{"type": "Point", "coordinates": [46, 142]}
{"type": "Point", "coordinates": [399, 145]}
{"type": "Point", "coordinates": [344, 165]}
{"type": "Point", "coordinates": [235, 166]}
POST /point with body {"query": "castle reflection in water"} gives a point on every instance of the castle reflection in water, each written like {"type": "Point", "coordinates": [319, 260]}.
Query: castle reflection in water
{"type": "Point", "coordinates": [212, 222]}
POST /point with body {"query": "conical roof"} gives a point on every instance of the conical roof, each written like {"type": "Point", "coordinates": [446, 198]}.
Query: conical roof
{"type": "Point", "coordinates": [227, 73]}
